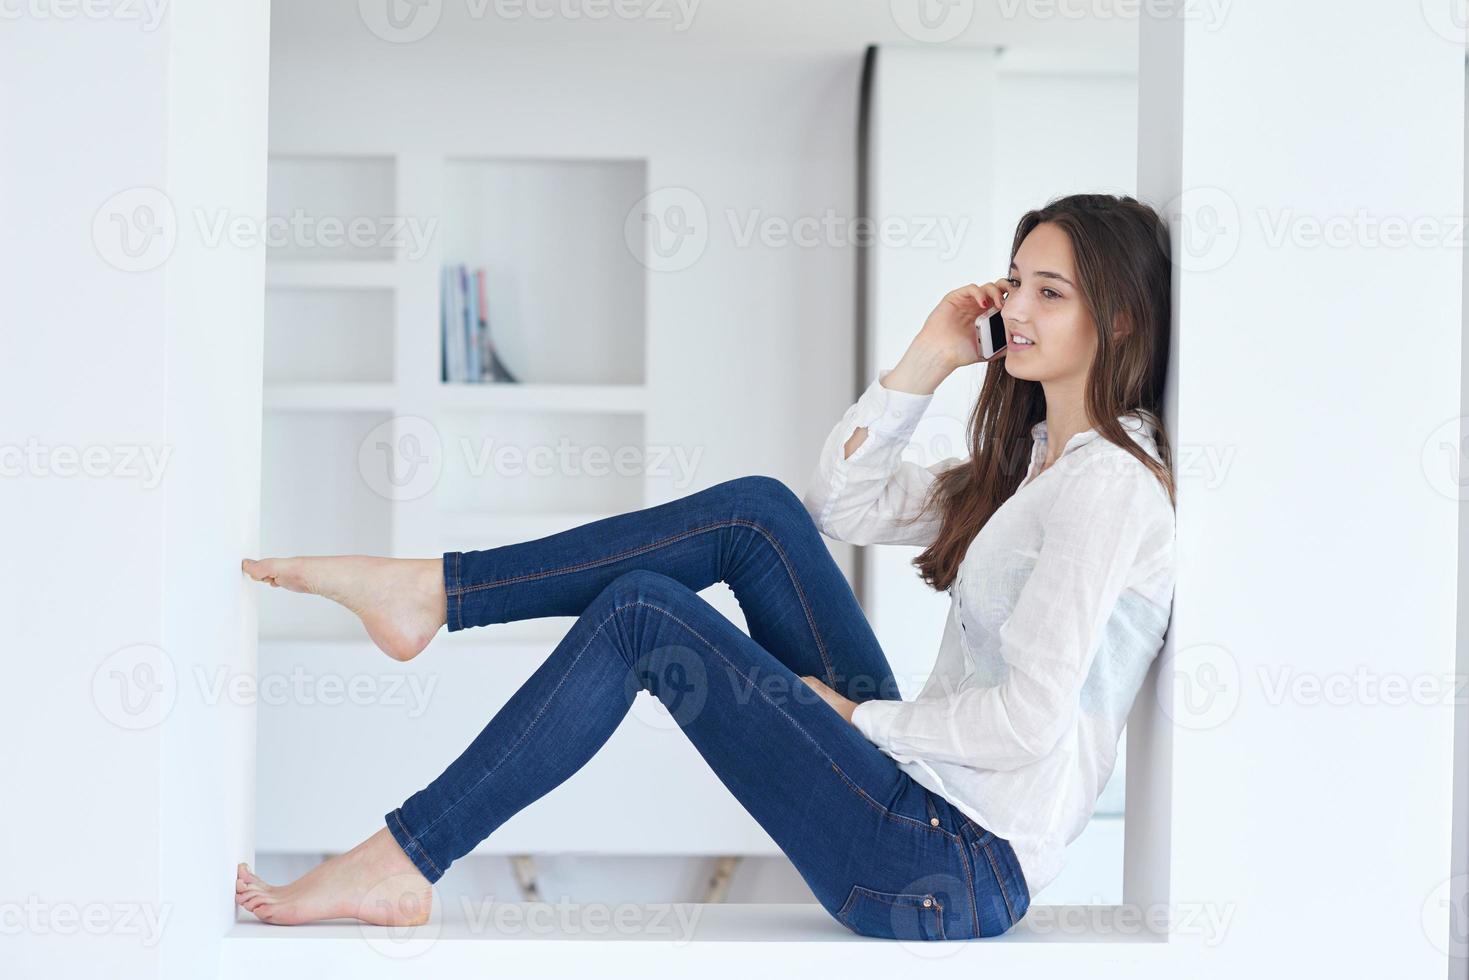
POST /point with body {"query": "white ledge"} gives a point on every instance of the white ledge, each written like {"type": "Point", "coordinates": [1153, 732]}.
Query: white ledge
{"type": "Point", "coordinates": [721, 937]}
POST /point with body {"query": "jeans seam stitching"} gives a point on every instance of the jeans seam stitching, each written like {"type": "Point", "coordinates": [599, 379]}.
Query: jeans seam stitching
{"type": "Point", "coordinates": [879, 896]}
{"type": "Point", "coordinates": [784, 560]}
{"type": "Point", "coordinates": [887, 812]}
{"type": "Point", "coordinates": [549, 698]}
{"type": "Point", "coordinates": [458, 593]}
{"type": "Point", "coordinates": [413, 843]}
{"type": "Point", "coordinates": [969, 880]}
{"type": "Point", "coordinates": [720, 654]}
{"type": "Point", "coordinates": [529, 728]}
{"type": "Point", "coordinates": [1000, 880]}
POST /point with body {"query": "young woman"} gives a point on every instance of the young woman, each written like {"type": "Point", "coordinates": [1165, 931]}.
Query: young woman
{"type": "Point", "coordinates": [935, 818]}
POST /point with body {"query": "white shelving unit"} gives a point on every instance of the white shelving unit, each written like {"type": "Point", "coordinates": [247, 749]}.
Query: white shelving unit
{"type": "Point", "coordinates": [353, 355]}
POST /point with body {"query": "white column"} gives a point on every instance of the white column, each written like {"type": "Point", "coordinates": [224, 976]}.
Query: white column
{"type": "Point", "coordinates": [129, 478]}
{"type": "Point", "coordinates": [214, 312]}
{"type": "Point", "coordinates": [1313, 157]}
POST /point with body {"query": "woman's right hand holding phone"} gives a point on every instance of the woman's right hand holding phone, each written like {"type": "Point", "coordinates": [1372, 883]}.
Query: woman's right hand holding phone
{"type": "Point", "coordinates": [949, 339]}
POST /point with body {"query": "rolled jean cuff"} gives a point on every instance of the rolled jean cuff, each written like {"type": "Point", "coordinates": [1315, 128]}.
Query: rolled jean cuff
{"type": "Point", "coordinates": [454, 613]}
{"type": "Point", "coordinates": [411, 847]}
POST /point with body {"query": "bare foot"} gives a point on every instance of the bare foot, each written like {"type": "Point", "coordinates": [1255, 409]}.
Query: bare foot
{"type": "Point", "coordinates": [374, 882]}
{"type": "Point", "coordinates": [400, 600]}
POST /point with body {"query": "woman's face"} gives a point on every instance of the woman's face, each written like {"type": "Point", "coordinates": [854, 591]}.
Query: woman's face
{"type": "Point", "coordinates": [1045, 306]}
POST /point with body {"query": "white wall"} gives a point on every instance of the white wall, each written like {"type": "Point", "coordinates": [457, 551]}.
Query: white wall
{"type": "Point", "coordinates": [83, 572]}
{"type": "Point", "coordinates": [120, 576]}
{"type": "Point", "coordinates": [1327, 545]}
{"type": "Point", "coordinates": [214, 312]}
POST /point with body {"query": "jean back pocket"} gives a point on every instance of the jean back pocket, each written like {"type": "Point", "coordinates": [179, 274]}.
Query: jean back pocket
{"type": "Point", "coordinates": [892, 915]}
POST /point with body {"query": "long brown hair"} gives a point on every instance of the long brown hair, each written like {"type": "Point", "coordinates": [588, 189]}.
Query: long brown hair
{"type": "Point", "coordinates": [1125, 274]}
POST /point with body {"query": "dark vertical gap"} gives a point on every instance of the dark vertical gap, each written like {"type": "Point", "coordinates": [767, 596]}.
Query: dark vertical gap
{"type": "Point", "coordinates": [864, 258]}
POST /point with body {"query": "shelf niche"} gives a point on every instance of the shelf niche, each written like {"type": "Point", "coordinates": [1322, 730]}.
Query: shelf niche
{"type": "Point", "coordinates": [566, 293]}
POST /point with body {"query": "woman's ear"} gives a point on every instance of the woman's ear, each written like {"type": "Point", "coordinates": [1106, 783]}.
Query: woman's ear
{"type": "Point", "coordinates": [1121, 326]}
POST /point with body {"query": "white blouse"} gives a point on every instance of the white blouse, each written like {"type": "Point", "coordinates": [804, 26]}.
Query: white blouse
{"type": "Point", "coordinates": [1058, 609]}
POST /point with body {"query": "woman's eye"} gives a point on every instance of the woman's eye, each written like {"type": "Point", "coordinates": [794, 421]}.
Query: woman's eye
{"type": "Point", "coordinates": [1052, 292]}
{"type": "Point", "coordinates": [1014, 282]}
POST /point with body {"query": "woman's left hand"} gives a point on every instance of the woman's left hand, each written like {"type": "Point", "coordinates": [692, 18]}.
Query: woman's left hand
{"type": "Point", "coordinates": [839, 704]}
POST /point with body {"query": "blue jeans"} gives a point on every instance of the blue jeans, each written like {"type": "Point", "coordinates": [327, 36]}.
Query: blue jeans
{"type": "Point", "coordinates": [884, 855]}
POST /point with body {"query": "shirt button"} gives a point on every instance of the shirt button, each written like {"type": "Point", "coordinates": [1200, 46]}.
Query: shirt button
{"type": "Point", "coordinates": [934, 821]}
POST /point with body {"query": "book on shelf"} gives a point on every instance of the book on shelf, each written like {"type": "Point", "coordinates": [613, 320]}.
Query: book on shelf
{"type": "Point", "coordinates": [469, 354]}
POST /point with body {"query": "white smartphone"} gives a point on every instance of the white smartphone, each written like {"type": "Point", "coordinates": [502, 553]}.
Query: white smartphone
{"type": "Point", "coordinates": [991, 329]}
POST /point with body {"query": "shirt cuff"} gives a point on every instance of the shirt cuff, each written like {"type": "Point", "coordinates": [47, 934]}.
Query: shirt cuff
{"type": "Point", "coordinates": [889, 412]}
{"type": "Point", "coordinates": [874, 719]}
